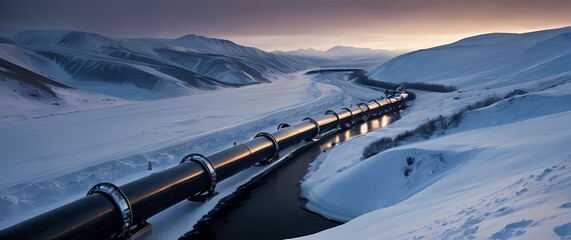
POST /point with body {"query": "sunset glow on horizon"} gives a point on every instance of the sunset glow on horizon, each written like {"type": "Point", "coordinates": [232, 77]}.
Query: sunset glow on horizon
{"type": "Point", "coordinates": [294, 24]}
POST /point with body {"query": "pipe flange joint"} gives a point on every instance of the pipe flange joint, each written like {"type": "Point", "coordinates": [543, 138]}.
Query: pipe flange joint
{"type": "Point", "coordinates": [352, 116]}
{"type": "Point", "coordinates": [379, 109]}
{"type": "Point", "coordinates": [363, 104]}
{"type": "Point", "coordinates": [208, 168]}
{"type": "Point", "coordinates": [283, 125]}
{"type": "Point", "coordinates": [274, 141]}
{"type": "Point", "coordinates": [367, 113]}
{"type": "Point", "coordinates": [314, 123]}
{"type": "Point", "coordinates": [120, 201]}
{"type": "Point", "coordinates": [336, 115]}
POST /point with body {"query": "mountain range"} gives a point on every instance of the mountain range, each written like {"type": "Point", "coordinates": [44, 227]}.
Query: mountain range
{"type": "Point", "coordinates": [136, 69]}
{"type": "Point", "coordinates": [346, 56]}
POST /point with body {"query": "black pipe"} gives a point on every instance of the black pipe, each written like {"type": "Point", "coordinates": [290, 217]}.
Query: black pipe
{"type": "Point", "coordinates": [326, 122]}
{"type": "Point", "coordinates": [287, 136]}
{"type": "Point", "coordinates": [374, 107]}
{"type": "Point", "coordinates": [158, 191]}
{"type": "Point", "coordinates": [92, 216]}
{"type": "Point", "coordinates": [358, 114]}
{"type": "Point", "coordinates": [116, 212]}
{"type": "Point", "coordinates": [307, 130]}
{"type": "Point", "coordinates": [331, 112]}
{"type": "Point", "coordinates": [347, 117]}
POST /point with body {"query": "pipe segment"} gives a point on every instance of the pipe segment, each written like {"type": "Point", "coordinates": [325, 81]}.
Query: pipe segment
{"type": "Point", "coordinates": [117, 212]}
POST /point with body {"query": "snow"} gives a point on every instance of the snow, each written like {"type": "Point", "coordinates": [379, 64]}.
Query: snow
{"type": "Point", "coordinates": [52, 160]}
{"type": "Point", "coordinates": [142, 69]}
{"type": "Point", "coordinates": [463, 186]}
{"type": "Point", "coordinates": [97, 134]}
{"type": "Point", "coordinates": [504, 172]}
{"type": "Point", "coordinates": [491, 60]}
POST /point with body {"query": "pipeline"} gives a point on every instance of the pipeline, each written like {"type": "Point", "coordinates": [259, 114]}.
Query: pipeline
{"type": "Point", "coordinates": [120, 212]}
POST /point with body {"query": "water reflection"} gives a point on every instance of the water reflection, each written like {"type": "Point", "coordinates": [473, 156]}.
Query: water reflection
{"type": "Point", "coordinates": [385, 120]}
{"type": "Point", "coordinates": [260, 211]}
{"type": "Point", "coordinates": [347, 135]}
{"type": "Point", "coordinates": [375, 123]}
{"type": "Point", "coordinates": [334, 141]}
{"type": "Point", "coordinates": [358, 129]}
{"type": "Point", "coordinates": [364, 128]}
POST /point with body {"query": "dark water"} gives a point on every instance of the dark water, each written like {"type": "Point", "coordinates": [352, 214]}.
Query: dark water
{"type": "Point", "coordinates": [270, 208]}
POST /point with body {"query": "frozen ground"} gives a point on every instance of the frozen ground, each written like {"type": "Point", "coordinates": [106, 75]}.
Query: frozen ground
{"type": "Point", "coordinates": [55, 159]}
{"type": "Point", "coordinates": [503, 173]}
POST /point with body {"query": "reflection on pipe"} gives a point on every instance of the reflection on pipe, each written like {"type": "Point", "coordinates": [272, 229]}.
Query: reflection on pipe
{"type": "Point", "coordinates": [111, 211]}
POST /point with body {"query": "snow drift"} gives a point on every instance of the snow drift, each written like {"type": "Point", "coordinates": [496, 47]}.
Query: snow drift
{"type": "Point", "coordinates": [489, 60]}
{"type": "Point", "coordinates": [503, 172]}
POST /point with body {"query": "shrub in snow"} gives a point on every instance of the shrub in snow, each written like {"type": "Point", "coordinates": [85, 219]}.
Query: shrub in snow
{"type": "Point", "coordinates": [361, 78]}
{"type": "Point", "coordinates": [407, 171]}
{"type": "Point", "coordinates": [427, 129]}
{"type": "Point", "coordinates": [515, 92]}
{"type": "Point", "coordinates": [454, 119]}
{"type": "Point", "coordinates": [377, 146]}
{"type": "Point", "coordinates": [483, 103]}
{"type": "Point", "coordinates": [409, 161]}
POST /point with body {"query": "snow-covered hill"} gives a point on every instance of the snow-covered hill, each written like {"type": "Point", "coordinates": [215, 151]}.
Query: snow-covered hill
{"type": "Point", "coordinates": [489, 60]}
{"type": "Point", "coordinates": [47, 72]}
{"type": "Point", "coordinates": [503, 172]}
{"type": "Point", "coordinates": [142, 68]}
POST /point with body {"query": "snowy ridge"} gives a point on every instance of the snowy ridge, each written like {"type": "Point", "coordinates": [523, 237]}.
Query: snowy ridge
{"type": "Point", "coordinates": [489, 60]}
{"type": "Point", "coordinates": [112, 148]}
{"type": "Point", "coordinates": [480, 188]}
{"type": "Point", "coordinates": [182, 66]}
{"type": "Point", "coordinates": [36, 65]}
{"type": "Point", "coordinates": [503, 172]}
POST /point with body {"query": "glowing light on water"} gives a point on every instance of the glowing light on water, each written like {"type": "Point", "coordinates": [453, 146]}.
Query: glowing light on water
{"type": "Point", "coordinates": [385, 120]}
{"type": "Point", "coordinates": [347, 135]}
{"type": "Point", "coordinates": [376, 123]}
{"type": "Point", "coordinates": [364, 128]}
{"type": "Point", "coordinates": [336, 140]}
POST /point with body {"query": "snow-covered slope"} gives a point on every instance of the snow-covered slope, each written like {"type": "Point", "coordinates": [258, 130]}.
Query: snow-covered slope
{"type": "Point", "coordinates": [27, 89]}
{"type": "Point", "coordinates": [488, 60]}
{"type": "Point", "coordinates": [142, 68]}
{"type": "Point", "coordinates": [48, 161]}
{"type": "Point", "coordinates": [503, 172]}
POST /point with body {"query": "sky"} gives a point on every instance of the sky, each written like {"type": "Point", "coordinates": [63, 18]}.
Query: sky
{"type": "Point", "coordinates": [293, 24]}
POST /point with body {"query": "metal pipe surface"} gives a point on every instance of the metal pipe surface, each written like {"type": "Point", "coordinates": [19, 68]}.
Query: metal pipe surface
{"type": "Point", "coordinates": [100, 215]}
{"type": "Point", "coordinates": [326, 122]}
{"type": "Point", "coordinates": [92, 216]}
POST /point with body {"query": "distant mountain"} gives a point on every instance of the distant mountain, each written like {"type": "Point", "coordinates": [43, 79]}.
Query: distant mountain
{"type": "Point", "coordinates": [343, 51]}
{"type": "Point", "coordinates": [304, 52]}
{"type": "Point", "coordinates": [488, 60]}
{"type": "Point", "coordinates": [138, 68]}
{"type": "Point", "coordinates": [345, 56]}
